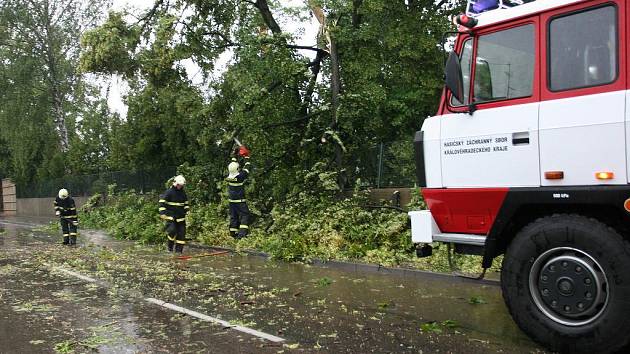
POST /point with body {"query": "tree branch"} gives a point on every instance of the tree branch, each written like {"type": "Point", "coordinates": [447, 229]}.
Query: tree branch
{"type": "Point", "coordinates": [149, 15]}
{"type": "Point", "coordinates": [356, 16]}
{"type": "Point", "coordinates": [263, 7]}
{"type": "Point", "coordinates": [402, 210]}
{"type": "Point", "coordinates": [305, 47]}
{"type": "Point", "coordinates": [440, 4]}
{"type": "Point", "coordinates": [65, 8]}
{"type": "Point", "coordinates": [219, 34]}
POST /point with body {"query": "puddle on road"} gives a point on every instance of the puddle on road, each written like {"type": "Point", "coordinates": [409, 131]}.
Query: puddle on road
{"type": "Point", "coordinates": [328, 307]}
{"type": "Point", "coordinates": [41, 313]}
{"type": "Point", "coordinates": [315, 308]}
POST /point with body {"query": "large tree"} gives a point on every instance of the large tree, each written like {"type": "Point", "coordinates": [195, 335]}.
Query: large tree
{"type": "Point", "coordinates": [50, 30]}
{"type": "Point", "coordinates": [43, 95]}
{"type": "Point", "coordinates": [374, 74]}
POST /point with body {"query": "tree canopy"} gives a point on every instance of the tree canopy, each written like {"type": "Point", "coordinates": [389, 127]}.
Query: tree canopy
{"type": "Point", "coordinates": [304, 109]}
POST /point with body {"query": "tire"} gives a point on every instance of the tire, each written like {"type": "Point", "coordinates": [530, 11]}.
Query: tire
{"type": "Point", "coordinates": [566, 282]}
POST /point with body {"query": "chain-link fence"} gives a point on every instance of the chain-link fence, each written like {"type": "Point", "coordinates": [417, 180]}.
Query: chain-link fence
{"type": "Point", "coordinates": [386, 165]}
{"type": "Point", "coordinates": [379, 166]}
{"type": "Point", "coordinates": [87, 185]}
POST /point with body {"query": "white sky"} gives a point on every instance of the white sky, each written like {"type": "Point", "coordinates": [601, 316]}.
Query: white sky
{"type": "Point", "coordinates": [119, 87]}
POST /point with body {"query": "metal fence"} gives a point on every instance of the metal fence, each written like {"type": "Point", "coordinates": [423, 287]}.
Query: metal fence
{"type": "Point", "coordinates": [386, 165]}
{"type": "Point", "coordinates": [87, 185]}
{"type": "Point", "coordinates": [382, 165]}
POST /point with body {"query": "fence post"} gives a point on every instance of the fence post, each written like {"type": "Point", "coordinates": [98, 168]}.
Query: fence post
{"type": "Point", "coordinates": [9, 197]}
{"type": "Point", "coordinates": [380, 166]}
{"type": "Point", "coordinates": [142, 181]}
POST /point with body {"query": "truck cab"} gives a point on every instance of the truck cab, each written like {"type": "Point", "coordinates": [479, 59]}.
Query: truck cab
{"type": "Point", "coordinates": [527, 156]}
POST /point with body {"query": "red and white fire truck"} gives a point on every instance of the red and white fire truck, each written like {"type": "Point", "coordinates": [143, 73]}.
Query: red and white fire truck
{"type": "Point", "coordinates": [529, 156]}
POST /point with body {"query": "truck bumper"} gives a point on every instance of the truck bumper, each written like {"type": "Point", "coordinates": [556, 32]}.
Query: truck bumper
{"type": "Point", "coordinates": [424, 229]}
{"type": "Point", "coordinates": [423, 226]}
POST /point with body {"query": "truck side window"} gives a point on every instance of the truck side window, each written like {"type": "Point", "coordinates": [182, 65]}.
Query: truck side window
{"type": "Point", "coordinates": [582, 49]}
{"type": "Point", "coordinates": [504, 67]}
{"type": "Point", "coordinates": [465, 61]}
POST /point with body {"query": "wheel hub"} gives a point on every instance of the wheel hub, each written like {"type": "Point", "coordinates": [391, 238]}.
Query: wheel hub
{"type": "Point", "coordinates": [568, 286]}
{"type": "Point", "coordinates": [565, 286]}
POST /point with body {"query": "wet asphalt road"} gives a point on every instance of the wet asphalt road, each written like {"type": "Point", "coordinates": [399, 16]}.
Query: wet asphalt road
{"type": "Point", "coordinates": [93, 298]}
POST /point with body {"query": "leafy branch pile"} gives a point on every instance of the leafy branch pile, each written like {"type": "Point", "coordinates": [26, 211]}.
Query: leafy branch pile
{"type": "Point", "coordinates": [305, 227]}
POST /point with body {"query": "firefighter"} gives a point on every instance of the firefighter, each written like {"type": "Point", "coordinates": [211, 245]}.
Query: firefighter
{"type": "Point", "coordinates": [239, 212]}
{"type": "Point", "coordinates": [173, 209]}
{"type": "Point", "coordinates": [66, 210]}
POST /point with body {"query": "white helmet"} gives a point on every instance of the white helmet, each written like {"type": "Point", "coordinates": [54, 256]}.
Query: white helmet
{"type": "Point", "coordinates": [63, 193]}
{"type": "Point", "coordinates": [233, 169]}
{"type": "Point", "coordinates": [179, 180]}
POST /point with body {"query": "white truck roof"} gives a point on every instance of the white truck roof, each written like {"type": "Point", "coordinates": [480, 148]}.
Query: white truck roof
{"type": "Point", "coordinates": [506, 10]}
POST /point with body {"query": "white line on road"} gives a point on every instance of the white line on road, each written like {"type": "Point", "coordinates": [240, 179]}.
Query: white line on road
{"type": "Point", "coordinates": [180, 309]}
{"type": "Point", "coordinates": [207, 318]}
{"type": "Point", "coordinates": [77, 275]}
{"type": "Point", "coordinates": [20, 223]}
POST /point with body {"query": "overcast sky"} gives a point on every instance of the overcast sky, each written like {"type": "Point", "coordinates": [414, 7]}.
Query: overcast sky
{"type": "Point", "coordinates": [119, 88]}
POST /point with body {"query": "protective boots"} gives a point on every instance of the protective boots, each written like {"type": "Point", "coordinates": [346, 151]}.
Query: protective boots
{"type": "Point", "coordinates": [179, 248]}
{"type": "Point", "coordinates": [70, 240]}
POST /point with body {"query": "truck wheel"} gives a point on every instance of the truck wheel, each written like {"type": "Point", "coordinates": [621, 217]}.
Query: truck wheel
{"type": "Point", "coordinates": [566, 282]}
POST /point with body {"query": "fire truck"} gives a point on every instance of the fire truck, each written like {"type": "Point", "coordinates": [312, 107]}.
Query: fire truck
{"type": "Point", "coordinates": [528, 157]}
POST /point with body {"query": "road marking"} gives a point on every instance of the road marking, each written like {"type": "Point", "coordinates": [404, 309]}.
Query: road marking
{"type": "Point", "coordinates": [207, 318]}
{"type": "Point", "coordinates": [180, 309]}
{"type": "Point", "coordinates": [20, 223]}
{"type": "Point", "coordinates": [77, 275]}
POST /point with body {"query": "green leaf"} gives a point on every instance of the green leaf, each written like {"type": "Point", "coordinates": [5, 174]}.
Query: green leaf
{"type": "Point", "coordinates": [476, 300]}
{"type": "Point", "coordinates": [451, 324]}
{"type": "Point", "coordinates": [431, 327]}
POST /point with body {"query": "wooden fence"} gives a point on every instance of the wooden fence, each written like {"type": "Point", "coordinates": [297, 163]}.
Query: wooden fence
{"type": "Point", "coordinates": [8, 200]}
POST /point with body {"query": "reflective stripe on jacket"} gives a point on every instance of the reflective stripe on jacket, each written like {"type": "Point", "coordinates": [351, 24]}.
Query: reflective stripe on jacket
{"type": "Point", "coordinates": [236, 185]}
{"type": "Point", "coordinates": [174, 204]}
{"type": "Point", "coordinates": [66, 208]}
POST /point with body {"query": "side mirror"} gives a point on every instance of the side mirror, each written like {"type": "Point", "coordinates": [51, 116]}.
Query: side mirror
{"type": "Point", "coordinates": [453, 74]}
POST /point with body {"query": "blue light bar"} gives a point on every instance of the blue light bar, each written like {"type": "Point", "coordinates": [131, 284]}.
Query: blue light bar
{"type": "Point", "coordinates": [475, 7]}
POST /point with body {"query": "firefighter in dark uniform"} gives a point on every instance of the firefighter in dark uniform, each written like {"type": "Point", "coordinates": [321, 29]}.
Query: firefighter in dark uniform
{"type": "Point", "coordinates": [239, 212]}
{"type": "Point", "coordinates": [66, 210]}
{"type": "Point", "coordinates": [173, 209]}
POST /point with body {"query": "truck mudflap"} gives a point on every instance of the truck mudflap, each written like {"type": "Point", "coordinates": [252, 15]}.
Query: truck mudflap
{"type": "Point", "coordinates": [424, 229]}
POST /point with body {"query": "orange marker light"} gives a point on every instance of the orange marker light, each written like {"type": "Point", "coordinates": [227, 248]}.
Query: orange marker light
{"type": "Point", "coordinates": [554, 175]}
{"type": "Point", "coordinates": [604, 175]}
{"type": "Point", "coordinates": [626, 205]}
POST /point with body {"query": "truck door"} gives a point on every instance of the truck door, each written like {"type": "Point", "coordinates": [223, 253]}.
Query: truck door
{"type": "Point", "coordinates": [583, 108]}
{"type": "Point", "coordinates": [496, 145]}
